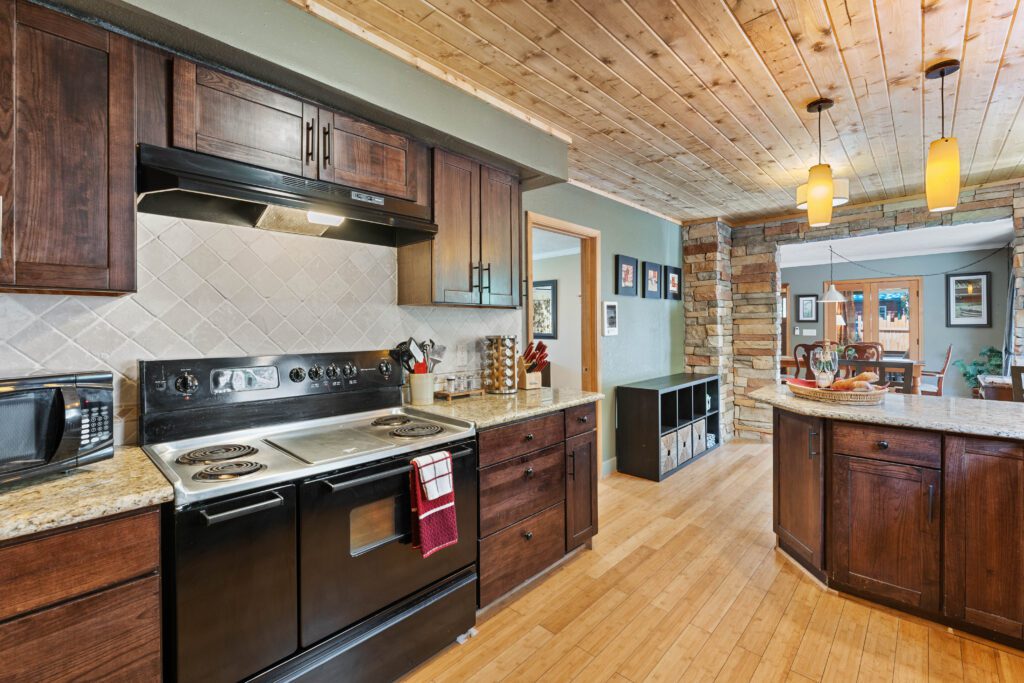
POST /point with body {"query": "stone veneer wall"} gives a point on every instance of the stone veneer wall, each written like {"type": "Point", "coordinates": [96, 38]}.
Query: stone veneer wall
{"type": "Point", "coordinates": [751, 267]}
{"type": "Point", "coordinates": [708, 306]}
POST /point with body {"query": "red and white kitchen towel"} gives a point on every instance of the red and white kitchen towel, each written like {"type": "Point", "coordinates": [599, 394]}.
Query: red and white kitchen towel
{"type": "Point", "coordinates": [434, 524]}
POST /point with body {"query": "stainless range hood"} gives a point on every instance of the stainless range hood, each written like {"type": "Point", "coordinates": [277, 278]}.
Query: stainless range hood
{"type": "Point", "coordinates": [176, 182]}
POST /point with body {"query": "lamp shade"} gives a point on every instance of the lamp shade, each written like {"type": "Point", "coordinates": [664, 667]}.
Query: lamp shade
{"type": "Point", "coordinates": [819, 195]}
{"type": "Point", "coordinates": [840, 193]}
{"type": "Point", "coordinates": [832, 296]}
{"type": "Point", "coordinates": [942, 175]}
{"type": "Point", "coordinates": [840, 320]}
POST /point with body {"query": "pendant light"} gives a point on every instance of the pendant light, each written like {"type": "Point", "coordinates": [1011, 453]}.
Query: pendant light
{"type": "Point", "coordinates": [942, 175]}
{"type": "Point", "coordinates": [832, 296]}
{"type": "Point", "coordinates": [820, 189]}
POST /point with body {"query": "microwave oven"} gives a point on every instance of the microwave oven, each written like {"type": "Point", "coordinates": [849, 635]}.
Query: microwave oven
{"type": "Point", "coordinates": [54, 423]}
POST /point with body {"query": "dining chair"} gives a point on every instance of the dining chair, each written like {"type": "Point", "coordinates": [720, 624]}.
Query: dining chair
{"type": "Point", "coordinates": [937, 375]}
{"type": "Point", "coordinates": [1017, 379]}
{"type": "Point", "coordinates": [864, 351]}
{"type": "Point", "coordinates": [802, 356]}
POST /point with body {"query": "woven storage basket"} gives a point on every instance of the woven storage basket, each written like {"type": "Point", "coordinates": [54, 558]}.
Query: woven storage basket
{"type": "Point", "coordinates": [852, 398]}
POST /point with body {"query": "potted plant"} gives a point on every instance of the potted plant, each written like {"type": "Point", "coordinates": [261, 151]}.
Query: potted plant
{"type": "Point", "coordinates": [990, 362]}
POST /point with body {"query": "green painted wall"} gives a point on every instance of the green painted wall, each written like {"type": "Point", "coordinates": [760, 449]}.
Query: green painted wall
{"type": "Point", "coordinates": [651, 332]}
{"type": "Point", "coordinates": [935, 336]}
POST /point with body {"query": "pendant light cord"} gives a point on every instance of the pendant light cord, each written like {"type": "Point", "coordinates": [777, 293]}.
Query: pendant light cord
{"type": "Point", "coordinates": [987, 256]}
{"type": "Point", "coordinates": [942, 102]}
{"type": "Point", "coordinates": [819, 135]}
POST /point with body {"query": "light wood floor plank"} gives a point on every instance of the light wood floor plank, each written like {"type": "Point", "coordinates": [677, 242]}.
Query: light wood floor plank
{"type": "Point", "coordinates": [911, 652]}
{"type": "Point", "coordinates": [879, 659]}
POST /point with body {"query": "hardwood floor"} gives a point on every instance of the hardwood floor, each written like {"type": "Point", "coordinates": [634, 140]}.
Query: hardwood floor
{"type": "Point", "coordinates": [684, 584]}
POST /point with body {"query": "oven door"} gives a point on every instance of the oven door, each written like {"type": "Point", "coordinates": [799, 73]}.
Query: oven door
{"type": "Point", "coordinates": [41, 427]}
{"type": "Point", "coordinates": [355, 542]}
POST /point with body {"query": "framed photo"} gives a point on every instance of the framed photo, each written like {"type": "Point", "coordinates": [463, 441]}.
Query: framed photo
{"type": "Point", "coordinates": [652, 280]}
{"type": "Point", "coordinates": [545, 309]}
{"type": "Point", "coordinates": [969, 300]}
{"type": "Point", "coordinates": [626, 275]}
{"type": "Point", "coordinates": [673, 283]}
{"type": "Point", "coordinates": [611, 318]}
{"type": "Point", "coordinates": [807, 308]}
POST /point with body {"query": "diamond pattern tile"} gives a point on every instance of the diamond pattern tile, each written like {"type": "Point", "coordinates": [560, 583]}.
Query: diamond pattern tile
{"type": "Point", "coordinates": [216, 290]}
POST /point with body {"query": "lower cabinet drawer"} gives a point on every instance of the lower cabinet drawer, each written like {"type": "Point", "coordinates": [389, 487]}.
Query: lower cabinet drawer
{"type": "Point", "coordinates": [892, 444]}
{"type": "Point", "coordinates": [110, 635]}
{"type": "Point", "coordinates": [502, 443]}
{"type": "Point", "coordinates": [509, 557]}
{"type": "Point", "coordinates": [519, 487]}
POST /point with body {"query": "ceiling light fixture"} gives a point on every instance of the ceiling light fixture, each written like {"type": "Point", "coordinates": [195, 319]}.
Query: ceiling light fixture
{"type": "Point", "coordinates": [840, 193]}
{"type": "Point", "coordinates": [832, 296]}
{"type": "Point", "coordinates": [942, 174]}
{"type": "Point", "coordinates": [820, 190]}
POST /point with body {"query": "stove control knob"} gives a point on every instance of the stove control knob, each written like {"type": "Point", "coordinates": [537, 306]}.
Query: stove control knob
{"type": "Point", "coordinates": [349, 370]}
{"type": "Point", "coordinates": [186, 383]}
{"type": "Point", "coordinates": [316, 373]}
{"type": "Point", "coordinates": [385, 367]}
{"type": "Point", "coordinates": [297, 375]}
{"type": "Point", "coordinates": [333, 371]}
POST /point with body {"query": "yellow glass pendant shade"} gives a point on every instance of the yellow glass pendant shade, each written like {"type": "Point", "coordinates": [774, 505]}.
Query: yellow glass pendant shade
{"type": "Point", "coordinates": [819, 195]}
{"type": "Point", "coordinates": [942, 175]}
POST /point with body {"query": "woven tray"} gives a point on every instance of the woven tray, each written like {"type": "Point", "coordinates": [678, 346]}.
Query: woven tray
{"type": "Point", "coordinates": [853, 398]}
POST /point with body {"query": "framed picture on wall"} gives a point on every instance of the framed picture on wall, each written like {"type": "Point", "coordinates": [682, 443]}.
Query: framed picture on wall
{"type": "Point", "coordinates": [625, 280]}
{"type": "Point", "coordinates": [807, 308]}
{"type": "Point", "coordinates": [652, 280]}
{"type": "Point", "coordinates": [673, 283]}
{"type": "Point", "coordinates": [545, 309]}
{"type": "Point", "coordinates": [969, 300]}
{"type": "Point", "coordinates": [611, 318]}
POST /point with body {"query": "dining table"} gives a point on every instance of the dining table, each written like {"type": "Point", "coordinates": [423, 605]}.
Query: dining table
{"type": "Point", "coordinates": [908, 367]}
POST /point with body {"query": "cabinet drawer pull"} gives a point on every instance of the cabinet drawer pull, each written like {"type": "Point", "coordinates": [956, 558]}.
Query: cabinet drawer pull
{"type": "Point", "coordinates": [529, 473]}
{"type": "Point", "coordinates": [583, 419]}
{"type": "Point", "coordinates": [931, 500]}
{"type": "Point", "coordinates": [528, 535]}
{"type": "Point", "coordinates": [529, 437]}
{"type": "Point", "coordinates": [884, 445]}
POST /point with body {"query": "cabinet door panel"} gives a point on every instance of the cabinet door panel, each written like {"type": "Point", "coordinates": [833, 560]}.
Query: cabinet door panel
{"type": "Point", "coordinates": [369, 158]}
{"type": "Point", "coordinates": [220, 115]}
{"type": "Point", "coordinates": [499, 237]}
{"type": "Point", "coordinates": [798, 482]}
{"type": "Point", "coordinates": [581, 465]}
{"type": "Point", "coordinates": [70, 223]}
{"type": "Point", "coordinates": [885, 530]}
{"type": "Point", "coordinates": [456, 248]}
{"type": "Point", "coordinates": [984, 533]}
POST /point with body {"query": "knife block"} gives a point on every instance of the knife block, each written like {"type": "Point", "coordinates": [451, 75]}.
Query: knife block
{"type": "Point", "coordinates": [528, 380]}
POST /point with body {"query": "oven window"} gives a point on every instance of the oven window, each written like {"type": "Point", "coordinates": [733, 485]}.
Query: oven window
{"type": "Point", "coordinates": [374, 524]}
{"type": "Point", "coordinates": [30, 427]}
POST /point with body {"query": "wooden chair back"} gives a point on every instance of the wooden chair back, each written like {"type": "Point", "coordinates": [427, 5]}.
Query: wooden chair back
{"type": "Point", "coordinates": [1017, 380]}
{"type": "Point", "coordinates": [802, 356]}
{"type": "Point", "coordinates": [864, 351]}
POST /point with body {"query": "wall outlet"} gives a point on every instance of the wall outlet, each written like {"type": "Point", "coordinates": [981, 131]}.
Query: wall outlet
{"type": "Point", "coordinates": [461, 356]}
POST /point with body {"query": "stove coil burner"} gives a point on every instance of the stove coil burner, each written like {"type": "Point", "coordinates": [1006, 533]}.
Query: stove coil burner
{"type": "Point", "coordinates": [390, 421]}
{"type": "Point", "coordinates": [228, 470]}
{"type": "Point", "coordinates": [416, 431]}
{"type": "Point", "coordinates": [214, 454]}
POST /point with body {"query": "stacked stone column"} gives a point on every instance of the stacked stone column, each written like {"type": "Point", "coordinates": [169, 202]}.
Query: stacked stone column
{"type": "Point", "coordinates": [707, 300]}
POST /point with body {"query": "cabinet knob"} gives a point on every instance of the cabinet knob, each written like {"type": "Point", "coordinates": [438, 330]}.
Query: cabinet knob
{"type": "Point", "coordinates": [528, 535]}
{"type": "Point", "coordinates": [584, 419]}
{"type": "Point", "coordinates": [529, 437]}
{"type": "Point", "coordinates": [529, 473]}
{"type": "Point", "coordinates": [884, 445]}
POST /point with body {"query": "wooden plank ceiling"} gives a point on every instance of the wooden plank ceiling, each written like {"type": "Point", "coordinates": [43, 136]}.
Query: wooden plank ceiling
{"type": "Point", "coordinates": [695, 108]}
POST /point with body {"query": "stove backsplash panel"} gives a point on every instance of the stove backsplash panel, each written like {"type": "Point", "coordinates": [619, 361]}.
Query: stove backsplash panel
{"type": "Point", "coordinates": [217, 290]}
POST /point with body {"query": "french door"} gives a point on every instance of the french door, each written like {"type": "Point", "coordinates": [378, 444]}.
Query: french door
{"type": "Point", "coordinates": [883, 310]}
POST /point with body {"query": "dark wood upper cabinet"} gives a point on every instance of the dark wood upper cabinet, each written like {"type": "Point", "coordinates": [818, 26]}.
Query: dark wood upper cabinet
{"type": "Point", "coordinates": [67, 164]}
{"type": "Point", "coordinates": [499, 237]}
{"type": "Point", "coordinates": [581, 465]}
{"type": "Point", "coordinates": [798, 487]}
{"type": "Point", "coordinates": [475, 258]}
{"type": "Point", "coordinates": [984, 533]}
{"type": "Point", "coordinates": [884, 537]}
{"type": "Point", "coordinates": [227, 117]}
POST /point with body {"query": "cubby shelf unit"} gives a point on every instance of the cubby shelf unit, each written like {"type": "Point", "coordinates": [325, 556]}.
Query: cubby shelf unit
{"type": "Point", "coordinates": [664, 424]}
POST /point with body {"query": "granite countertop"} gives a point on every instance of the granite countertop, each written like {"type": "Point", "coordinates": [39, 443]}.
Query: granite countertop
{"type": "Point", "coordinates": [937, 413]}
{"type": "Point", "coordinates": [128, 481]}
{"type": "Point", "coordinates": [490, 410]}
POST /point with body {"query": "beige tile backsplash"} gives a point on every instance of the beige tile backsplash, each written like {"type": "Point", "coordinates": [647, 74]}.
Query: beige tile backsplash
{"type": "Point", "coordinates": [216, 290]}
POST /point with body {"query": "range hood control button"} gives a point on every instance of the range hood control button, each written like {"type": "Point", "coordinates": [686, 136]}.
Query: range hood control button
{"type": "Point", "coordinates": [316, 373]}
{"type": "Point", "coordinates": [297, 375]}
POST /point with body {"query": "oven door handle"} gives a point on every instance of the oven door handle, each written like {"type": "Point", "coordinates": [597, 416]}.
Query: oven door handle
{"type": "Point", "coordinates": [218, 517]}
{"type": "Point", "coordinates": [342, 485]}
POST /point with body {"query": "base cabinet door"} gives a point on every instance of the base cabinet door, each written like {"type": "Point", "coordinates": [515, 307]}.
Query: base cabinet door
{"type": "Point", "coordinates": [798, 487]}
{"type": "Point", "coordinates": [580, 489]}
{"type": "Point", "coordinates": [885, 530]}
{"type": "Point", "coordinates": [984, 534]}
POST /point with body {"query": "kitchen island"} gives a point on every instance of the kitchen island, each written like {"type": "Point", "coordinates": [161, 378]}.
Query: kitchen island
{"type": "Point", "coordinates": [917, 503]}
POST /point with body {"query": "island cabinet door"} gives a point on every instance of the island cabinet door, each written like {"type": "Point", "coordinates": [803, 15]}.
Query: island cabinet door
{"type": "Point", "coordinates": [798, 481]}
{"type": "Point", "coordinates": [884, 537]}
{"type": "Point", "coordinates": [984, 534]}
